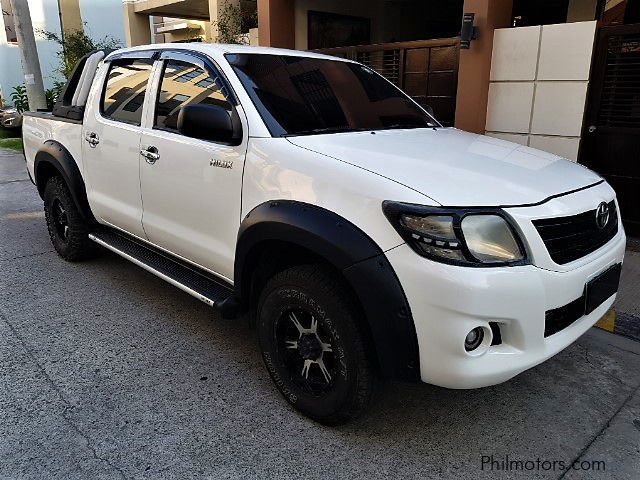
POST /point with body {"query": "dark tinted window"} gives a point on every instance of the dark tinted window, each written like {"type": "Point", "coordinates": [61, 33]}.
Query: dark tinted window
{"type": "Point", "coordinates": [299, 95]}
{"type": "Point", "coordinates": [124, 91]}
{"type": "Point", "coordinates": [185, 84]}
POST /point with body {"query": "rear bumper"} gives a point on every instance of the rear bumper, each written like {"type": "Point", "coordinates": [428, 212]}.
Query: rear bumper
{"type": "Point", "coordinates": [449, 301]}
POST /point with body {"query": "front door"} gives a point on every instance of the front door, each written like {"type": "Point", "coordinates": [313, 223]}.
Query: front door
{"type": "Point", "coordinates": [611, 136]}
{"type": "Point", "coordinates": [191, 189]}
{"type": "Point", "coordinates": [111, 145]}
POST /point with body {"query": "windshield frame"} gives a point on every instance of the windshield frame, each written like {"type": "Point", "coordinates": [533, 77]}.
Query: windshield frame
{"type": "Point", "coordinates": [277, 131]}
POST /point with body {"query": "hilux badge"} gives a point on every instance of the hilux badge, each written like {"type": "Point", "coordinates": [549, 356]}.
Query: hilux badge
{"type": "Point", "coordinates": [602, 215]}
{"type": "Point", "coordinates": [221, 163]}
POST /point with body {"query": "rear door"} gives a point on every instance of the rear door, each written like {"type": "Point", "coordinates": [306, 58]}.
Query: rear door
{"type": "Point", "coordinates": [111, 144]}
{"type": "Point", "coordinates": [191, 189]}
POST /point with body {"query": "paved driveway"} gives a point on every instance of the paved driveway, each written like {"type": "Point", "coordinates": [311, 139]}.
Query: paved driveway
{"type": "Point", "coordinates": [108, 372]}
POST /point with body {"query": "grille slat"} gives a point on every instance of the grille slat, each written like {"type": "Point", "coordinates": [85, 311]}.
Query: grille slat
{"type": "Point", "coordinates": [573, 237]}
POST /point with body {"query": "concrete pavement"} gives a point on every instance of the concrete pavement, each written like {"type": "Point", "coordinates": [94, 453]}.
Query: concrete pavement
{"type": "Point", "coordinates": [108, 372]}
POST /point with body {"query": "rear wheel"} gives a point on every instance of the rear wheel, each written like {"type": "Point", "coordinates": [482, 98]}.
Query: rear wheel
{"type": "Point", "coordinates": [312, 346]}
{"type": "Point", "coordinates": [68, 231]}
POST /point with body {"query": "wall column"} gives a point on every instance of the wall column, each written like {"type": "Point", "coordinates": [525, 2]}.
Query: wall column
{"type": "Point", "coordinates": [70, 15]}
{"type": "Point", "coordinates": [276, 23]}
{"type": "Point", "coordinates": [475, 63]}
{"type": "Point", "coordinates": [137, 27]}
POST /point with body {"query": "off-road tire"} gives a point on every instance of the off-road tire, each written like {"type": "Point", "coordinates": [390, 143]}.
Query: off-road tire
{"type": "Point", "coordinates": [69, 236]}
{"type": "Point", "coordinates": [318, 290]}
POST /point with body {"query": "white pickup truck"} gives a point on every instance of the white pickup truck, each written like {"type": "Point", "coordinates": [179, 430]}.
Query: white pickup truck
{"type": "Point", "coordinates": [361, 238]}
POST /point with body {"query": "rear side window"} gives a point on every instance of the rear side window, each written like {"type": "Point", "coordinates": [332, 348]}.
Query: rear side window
{"type": "Point", "coordinates": [124, 91]}
{"type": "Point", "coordinates": [186, 84]}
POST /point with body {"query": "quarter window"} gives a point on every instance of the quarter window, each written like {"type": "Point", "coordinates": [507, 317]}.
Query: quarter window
{"type": "Point", "coordinates": [185, 84]}
{"type": "Point", "coordinates": [124, 91]}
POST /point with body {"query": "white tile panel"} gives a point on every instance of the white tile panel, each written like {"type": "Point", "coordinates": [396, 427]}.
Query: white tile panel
{"type": "Point", "coordinates": [509, 107]}
{"type": "Point", "coordinates": [558, 108]}
{"type": "Point", "coordinates": [565, 51]}
{"type": "Point", "coordinates": [515, 54]}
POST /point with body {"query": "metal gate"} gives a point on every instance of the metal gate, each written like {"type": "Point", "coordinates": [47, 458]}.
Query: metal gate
{"type": "Point", "coordinates": [611, 136]}
{"type": "Point", "coordinates": [427, 70]}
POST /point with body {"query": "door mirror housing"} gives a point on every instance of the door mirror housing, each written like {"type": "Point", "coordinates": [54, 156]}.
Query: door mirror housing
{"type": "Point", "coordinates": [209, 122]}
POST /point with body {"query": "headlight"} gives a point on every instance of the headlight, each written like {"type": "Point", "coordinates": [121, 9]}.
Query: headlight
{"type": "Point", "coordinates": [461, 236]}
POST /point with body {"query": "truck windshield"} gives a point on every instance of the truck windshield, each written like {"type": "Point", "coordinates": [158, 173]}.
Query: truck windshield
{"type": "Point", "coordinates": [307, 96]}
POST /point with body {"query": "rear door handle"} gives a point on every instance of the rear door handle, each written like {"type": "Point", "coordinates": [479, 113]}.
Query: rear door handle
{"type": "Point", "coordinates": [92, 139]}
{"type": "Point", "coordinates": [150, 154]}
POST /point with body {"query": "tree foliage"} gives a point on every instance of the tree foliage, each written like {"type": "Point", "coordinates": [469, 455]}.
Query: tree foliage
{"type": "Point", "coordinates": [74, 45]}
{"type": "Point", "coordinates": [235, 20]}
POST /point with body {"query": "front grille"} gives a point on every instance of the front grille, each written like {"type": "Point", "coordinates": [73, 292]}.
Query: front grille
{"type": "Point", "coordinates": [570, 238]}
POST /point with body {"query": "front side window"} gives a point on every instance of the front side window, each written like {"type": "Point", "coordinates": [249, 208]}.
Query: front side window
{"type": "Point", "coordinates": [124, 91]}
{"type": "Point", "coordinates": [185, 84]}
{"type": "Point", "coordinates": [302, 96]}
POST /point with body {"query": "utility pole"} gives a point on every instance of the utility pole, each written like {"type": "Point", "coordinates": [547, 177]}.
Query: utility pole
{"type": "Point", "coordinates": [29, 55]}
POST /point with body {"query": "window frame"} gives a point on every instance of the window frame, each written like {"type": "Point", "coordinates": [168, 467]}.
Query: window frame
{"type": "Point", "coordinates": [191, 58]}
{"type": "Point", "coordinates": [116, 62]}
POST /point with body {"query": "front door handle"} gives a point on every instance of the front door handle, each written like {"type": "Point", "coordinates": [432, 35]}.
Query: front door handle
{"type": "Point", "coordinates": [92, 139]}
{"type": "Point", "coordinates": [150, 154]}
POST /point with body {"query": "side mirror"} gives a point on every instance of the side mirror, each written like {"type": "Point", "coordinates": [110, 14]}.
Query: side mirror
{"type": "Point", "coordinates": [206, 122]}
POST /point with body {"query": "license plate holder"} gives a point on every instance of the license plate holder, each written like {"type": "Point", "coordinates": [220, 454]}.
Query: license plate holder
{"type": "Point", "coordinates": [602, 287]}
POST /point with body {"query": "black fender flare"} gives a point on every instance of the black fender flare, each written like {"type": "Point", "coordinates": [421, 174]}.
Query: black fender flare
{"type": "Point", "coordinates": [363, 264]}
{"type": "Point", "coordinates": [54, 155]}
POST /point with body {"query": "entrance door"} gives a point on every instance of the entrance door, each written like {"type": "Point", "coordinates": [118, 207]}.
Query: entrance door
{"type": "Point", "coordinates": [611, 136]}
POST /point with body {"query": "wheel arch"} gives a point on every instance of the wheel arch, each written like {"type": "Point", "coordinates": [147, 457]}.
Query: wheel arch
{"type": "Point", "coordinates": [54, 159]}
{"type": "Point", "coordinates": [284, 233]}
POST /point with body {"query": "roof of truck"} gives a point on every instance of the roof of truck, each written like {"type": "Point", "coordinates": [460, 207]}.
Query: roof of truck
{"type": "Point", "coordinates": [224, 48]}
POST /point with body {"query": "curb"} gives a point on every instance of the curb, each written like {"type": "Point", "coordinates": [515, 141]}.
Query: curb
{"type": "Point", "coordinates": [620, 324]}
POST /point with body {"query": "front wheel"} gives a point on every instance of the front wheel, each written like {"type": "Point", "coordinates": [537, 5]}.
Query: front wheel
{"type": "Point", "coordinates": [312, 346]}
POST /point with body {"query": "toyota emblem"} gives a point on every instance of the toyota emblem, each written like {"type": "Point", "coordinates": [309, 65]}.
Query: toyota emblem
{"type": "Point", "coordinates": [602, 215]}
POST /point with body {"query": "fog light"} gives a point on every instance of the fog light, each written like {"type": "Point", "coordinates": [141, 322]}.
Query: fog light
{"type": "Point", "coordinates": [474, 339]}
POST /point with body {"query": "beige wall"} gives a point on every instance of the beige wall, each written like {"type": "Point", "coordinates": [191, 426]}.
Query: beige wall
{"type": "Point", "coordinates": [475, 63]}
{"type": "Point", "coordinates": [538, 89]}
{"type": "Point", "coordinates": [70, 14]}
{"type": "Point", "coordinates": [137, 26]}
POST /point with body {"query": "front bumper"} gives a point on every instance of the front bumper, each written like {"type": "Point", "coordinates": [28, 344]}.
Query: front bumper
{"type": "Point", "coordinates": [448, 301]}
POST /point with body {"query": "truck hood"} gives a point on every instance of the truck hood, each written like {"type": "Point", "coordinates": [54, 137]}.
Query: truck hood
{"type": "Point", "coordinates": [455, 168]}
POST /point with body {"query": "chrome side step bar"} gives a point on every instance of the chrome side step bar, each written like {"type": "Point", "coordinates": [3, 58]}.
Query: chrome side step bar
{"type": "Point", "coordinates": [187, 278]}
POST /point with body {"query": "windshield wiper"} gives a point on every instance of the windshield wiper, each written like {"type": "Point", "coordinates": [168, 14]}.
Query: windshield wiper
{"type": "Point", "coordinates": [317, 131]}
{"type": "Point", "coordinates": [406, 125]}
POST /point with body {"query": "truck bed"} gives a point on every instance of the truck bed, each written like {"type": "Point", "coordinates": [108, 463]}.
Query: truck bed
{"type": "Point", "coordinates": [38, 127]}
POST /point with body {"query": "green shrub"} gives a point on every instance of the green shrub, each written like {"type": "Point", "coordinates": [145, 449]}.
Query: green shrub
{"type": "Point", "coordinates": [19, 98]}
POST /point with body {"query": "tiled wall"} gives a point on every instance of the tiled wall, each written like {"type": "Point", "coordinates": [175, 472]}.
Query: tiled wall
{"type": "Point", "coordinates": [539, 80]}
